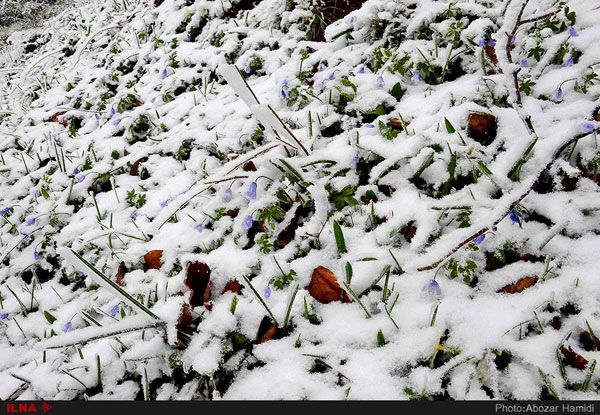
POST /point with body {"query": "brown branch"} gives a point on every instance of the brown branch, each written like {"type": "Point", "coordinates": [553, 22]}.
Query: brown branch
{"type": "Point", "coordinates": [556, 155]}
{"type": "Point", "coordinates": [288, 130]}
{"type": "Point", "coordinates": [538, 18]}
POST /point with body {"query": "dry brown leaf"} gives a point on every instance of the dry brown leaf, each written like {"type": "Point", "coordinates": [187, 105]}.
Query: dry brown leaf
{"type": "Point", "coordinates": [121, 273]}
{"type": "Point", "coordinates": [233, 286]}
{"type": "Point", "coordinates": [152, 259]}
{"type": "Point", "coordinates": [198, 281]}
{"type": "Point", "coordinates": [395, 123]}
{"type": "Point", "coordinates": [266, 330]}
{"type": "Point", "coordinates": [135, 166]}
{"type": "Point", "coordinates": [324, 287]}
{"type": "Point", "coordinates": [482, 127]}
{"type": "Point", "coordinates": [520, 285]}
{"type": "Point", "coordinates": [573, 359]}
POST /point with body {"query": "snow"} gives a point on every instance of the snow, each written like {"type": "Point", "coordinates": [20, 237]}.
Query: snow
{"type": "Point", "coordinates": [308, 115]}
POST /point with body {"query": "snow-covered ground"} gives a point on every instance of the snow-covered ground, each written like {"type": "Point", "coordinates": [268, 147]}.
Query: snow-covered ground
{"type": "Point", "coordinates": [385, 200]}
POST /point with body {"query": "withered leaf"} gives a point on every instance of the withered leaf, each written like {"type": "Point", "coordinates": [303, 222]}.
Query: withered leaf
{"type": "Point", "coordinates": [121, 273]}
{"type": "Point", "coordinates": [233, 286]}
{"type": "Point", "coordinates": [319, 366]}
{"type": "Point", "coordinates": [185, 318]}
{"type": "Point", "coordinates": [573, 359]}
{"type": "Point", "coordinates": [324, 287]}
{"type": "Point", "coordinates": [589, 342]}
{"type": "Point", "coordinates": [408, 231]}
{"type": "Point", "coordinates": [482, 127]}
{"type": "Point", "coordinates": [395, 123]}
{"type": "Point", "coordinates": [152, 259]}
{"type": "Point", "coordinates": [249, 166]}
{"type": "Point", "coordinates": [135, 166]}
{"type": "Point", "coordinates": [520, 285]}
{"type": "Point", "coordinates": [491, 52]}
{"type": "Point", "coordinates": [266, 330]}
{"type": "Point", "coordinates": [198, 281]}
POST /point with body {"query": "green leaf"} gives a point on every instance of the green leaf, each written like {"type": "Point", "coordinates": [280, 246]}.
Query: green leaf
{"type": "Point", "coordinates": [339, 238]}
{"type": "Point", "coordinates": [397, 91]}
{"type": "Point", "coordinates": [380, 110]}
{"type": "Point", "coordinates": [51, 319]}
{"type": "Point", "coordinates": [449, 126]}
{"type": "Point", "coordinates": [381, 341]}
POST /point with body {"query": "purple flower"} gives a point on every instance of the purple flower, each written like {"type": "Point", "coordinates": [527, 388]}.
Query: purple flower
{"type": "Point", "coordinates": [163, 203]}
{"type": "Point", "coordinates": [492, 42]}
{"type": "Point", "coordinates": [283, 94]}
{"type": "Point", "coordinates": [248, 69]}
{"type": "Point", "coordinates": [573, 32]}
{"type": "Point", "coordinates": [248, 222]}
{"type": "Point", "coordinates": [152, 100]}
{"type": "Point", "coordinates": [432, 288]}
{"type": "Point", "coordinates": [36, 192]}
{"type": "Point", "coordinates": [361, 70]}
{"type": "Point", "coordinates": [30, 221]}
{"type": "Point", "coordinates": [479, 239]}
{"type": "Point", "coordinates": [112, 111]}
{"type": "Point", "coordinates": [80, 178]}
{"type": "Point", "coordinates": [134, 214]}
{"type": "Point", "coordinates": [106, 68]}
{"type": "Point", "coordinates": [36, 256]}
{"type": "Point", "coordinates": [75, 171]}
{"type": "Point", "coordinates": [512, 40]}
{"type": "Point", "coordinates": [285, 83]}
{"type": "Point", "coordinates": [4, 316]}
{"type": "Point", "coordinates": [164, 72]}
{"type": "Point", "coordinates": [67, 327]}
{"type": "Point", "coordinates": [379, 82]}
{"type": "Point", "coordinates": [227, 196]}
{"type": "Point", "coordinates": [117, 121]}
{"type": "Point", "coordinates": [329, 207]}
{"type": "Point", "coordinates": [97, 116]}
{"type": "Point", "coordinates": [568, 63]}
{"type": "Point", "coordinates": [331, 76]}
{"type": "Point", "coordinates": [252, 191]}
{"type": "Point", "coordinates": [356, 159]}
{"type": "Point", "coordinates": [588, 127]}
{"type": "Point", "coordinates": [218, 52]}
{"type": "Point", "coordinates": [513, 216]}
{"type": "Point", "coordinates": [189, 38]}
{"type": "Point", "coordinates": [267, 292]}
{"type": "Point", "coordinates": [114, 310]}
{"type": "Point", "coordinates": [524, 63]}
{"type": "Point", "coordinates": [417, 77]}
{"type": "Point", "coordinates": [353, 19]}
{"type": "Point", "coordinates": [482, 42]}
{"type": "Point", "coordinates": [559, 94]}
{"type": "Point", "coordinates": [199, 227]}
{"type": "Point", "coordinates": [369, 125]}
{"type": "Point", "coordinates": [4, 211]}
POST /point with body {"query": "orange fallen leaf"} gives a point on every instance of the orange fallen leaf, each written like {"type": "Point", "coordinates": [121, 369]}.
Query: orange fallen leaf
{"type": "Point", "coordinates": [324, 287]}
{"type": "Point", "coordinates": [520, 285]}
{"type": "Point", "coordinates": [152, 259]}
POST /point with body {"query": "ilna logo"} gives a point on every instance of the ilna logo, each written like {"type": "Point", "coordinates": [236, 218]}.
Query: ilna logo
{"type": "Point", "coordinates": [27, 408]}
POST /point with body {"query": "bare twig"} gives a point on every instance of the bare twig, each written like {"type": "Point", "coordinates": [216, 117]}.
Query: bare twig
{"type": "Point", "coordinates": [518, 200]}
